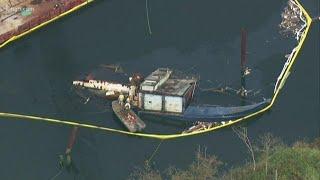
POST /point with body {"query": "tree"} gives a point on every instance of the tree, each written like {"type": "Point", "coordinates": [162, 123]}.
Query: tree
{"type": "Point", "coordinates": [146, 173]}
{"type": "Point", "coordinates": [268, 144]}
{"type": "Point", "coordinates": [242, 133]}
{"type": "Point", "coordinates": [204, 167]}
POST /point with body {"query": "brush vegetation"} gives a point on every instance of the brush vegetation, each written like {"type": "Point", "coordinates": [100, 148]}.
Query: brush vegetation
{"type": "Point", "coordinates": [274, 160]}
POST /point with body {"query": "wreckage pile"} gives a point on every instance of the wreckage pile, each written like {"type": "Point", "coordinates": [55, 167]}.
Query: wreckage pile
{"type": "Point", "coordinates": [200, 126]}
{"type": "Point", "coordinates": [293, 21]}
{"type": "Point", "coordinates": [293, 24]}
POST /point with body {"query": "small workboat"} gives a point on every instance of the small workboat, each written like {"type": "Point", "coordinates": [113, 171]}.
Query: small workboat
{"type": "Point", "coordinates": [128, 117]}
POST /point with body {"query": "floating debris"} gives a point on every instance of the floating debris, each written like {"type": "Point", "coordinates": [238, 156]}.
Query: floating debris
{"type": "Point", "coordinates": [87, 100]}
{"type": "Point", "coordinates": [316, 19]}
{"type": "Point", "coordinates": [200, 126]}
{"type": "Point", "coordinates": [293, 21]}
{"type": "Point", "coordinates": [242, 92]}
{"type": "Point", "coordinates": [114, 67]}
{"type": "Point", "coordinates": [247, 71]}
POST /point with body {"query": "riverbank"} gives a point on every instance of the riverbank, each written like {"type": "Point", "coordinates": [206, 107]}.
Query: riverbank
{"type": "Point", "coordinates": [18, 18]}
{"type": "Point", "coordinates": [274, 160]}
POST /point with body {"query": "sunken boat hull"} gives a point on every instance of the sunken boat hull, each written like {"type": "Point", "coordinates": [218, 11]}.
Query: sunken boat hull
{"type": "Point", "coordinates": [105, 94]}
{"type": "Point", "coordinates": [211, 113]}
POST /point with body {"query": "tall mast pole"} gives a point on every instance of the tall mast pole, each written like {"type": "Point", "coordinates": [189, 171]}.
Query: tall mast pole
{"type": "Point", "coordinates": [243, 92]}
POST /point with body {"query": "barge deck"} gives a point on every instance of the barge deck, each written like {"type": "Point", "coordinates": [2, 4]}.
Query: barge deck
{"type": "Point", "coordinates": [18, 17]}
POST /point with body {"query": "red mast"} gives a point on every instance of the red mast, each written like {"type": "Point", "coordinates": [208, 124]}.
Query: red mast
{"type": "Point", "coordinates": [65, 160]}
{"type": "Point", "coordinates": [72, 139]}
{"type": "Point", "coordinates": [243, 48]}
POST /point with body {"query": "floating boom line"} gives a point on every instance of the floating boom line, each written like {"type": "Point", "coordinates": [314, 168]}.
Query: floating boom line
{"type": "Point", "coordinates": [298, 34]}
{"type": "Point", "coordinates": [281, 80]}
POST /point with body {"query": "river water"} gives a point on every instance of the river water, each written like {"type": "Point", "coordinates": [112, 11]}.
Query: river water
{"type": "Point", "coordinates": [201, 37]}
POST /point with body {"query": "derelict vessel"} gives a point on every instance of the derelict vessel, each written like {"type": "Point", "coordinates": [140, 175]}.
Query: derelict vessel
{"type": "Point", "coordinates": [163, 93]}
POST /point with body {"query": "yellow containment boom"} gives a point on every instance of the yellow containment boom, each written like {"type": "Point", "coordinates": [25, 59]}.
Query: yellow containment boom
{"type": "Point", "coordinates": [281, 80]}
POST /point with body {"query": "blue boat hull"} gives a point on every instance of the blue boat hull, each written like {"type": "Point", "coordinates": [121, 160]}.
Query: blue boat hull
{"type": "Point", "coordinates": [211, 113]}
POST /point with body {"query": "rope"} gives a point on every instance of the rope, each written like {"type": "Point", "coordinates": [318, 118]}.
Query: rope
{"type": "Point", "coordinates": [55, 176]}
{"type": "Point", "coordinates": [154, 152]}
{"type": "Point", "coordinates": [282, 80]}
{"type": "Point", "coordinates": [148, 20]}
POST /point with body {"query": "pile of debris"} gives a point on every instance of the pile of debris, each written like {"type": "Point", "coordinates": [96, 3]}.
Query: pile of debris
{"type": "Point", "coordinates": [200, 126]}
{"type": "Point", "coordinates": [293, 21]}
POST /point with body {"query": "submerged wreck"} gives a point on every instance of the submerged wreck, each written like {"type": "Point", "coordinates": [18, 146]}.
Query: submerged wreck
{"type": "Point", "coordinates": [162, 93]}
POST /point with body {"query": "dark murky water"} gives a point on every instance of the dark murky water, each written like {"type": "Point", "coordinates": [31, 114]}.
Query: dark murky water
{"type": "Point", "coordinates": [195, 36]}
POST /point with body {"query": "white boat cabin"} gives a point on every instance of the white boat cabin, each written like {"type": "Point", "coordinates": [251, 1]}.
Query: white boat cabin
{"type": "Point", "coordinates": [163, 91]}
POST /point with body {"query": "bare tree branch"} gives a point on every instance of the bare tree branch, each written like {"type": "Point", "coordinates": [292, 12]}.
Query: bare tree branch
{"type": "Point", "coordinates": [242, 133]}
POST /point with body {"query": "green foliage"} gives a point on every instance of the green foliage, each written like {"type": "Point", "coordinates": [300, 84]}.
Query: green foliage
{"type": "Point", "coordinates": [274, 161]}
{"type": "Point", "coordinates": [204, 167]}
{"type": "Point", "coordinates": [284, 163]}
{"type": "Point", "coordinates": [146, 173]}
{"type": "Point", "coordinates": [296, 163]}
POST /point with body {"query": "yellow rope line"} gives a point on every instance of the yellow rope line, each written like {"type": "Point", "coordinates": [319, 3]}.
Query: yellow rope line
{"type": "Point", "coordinates": [171, 136]}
